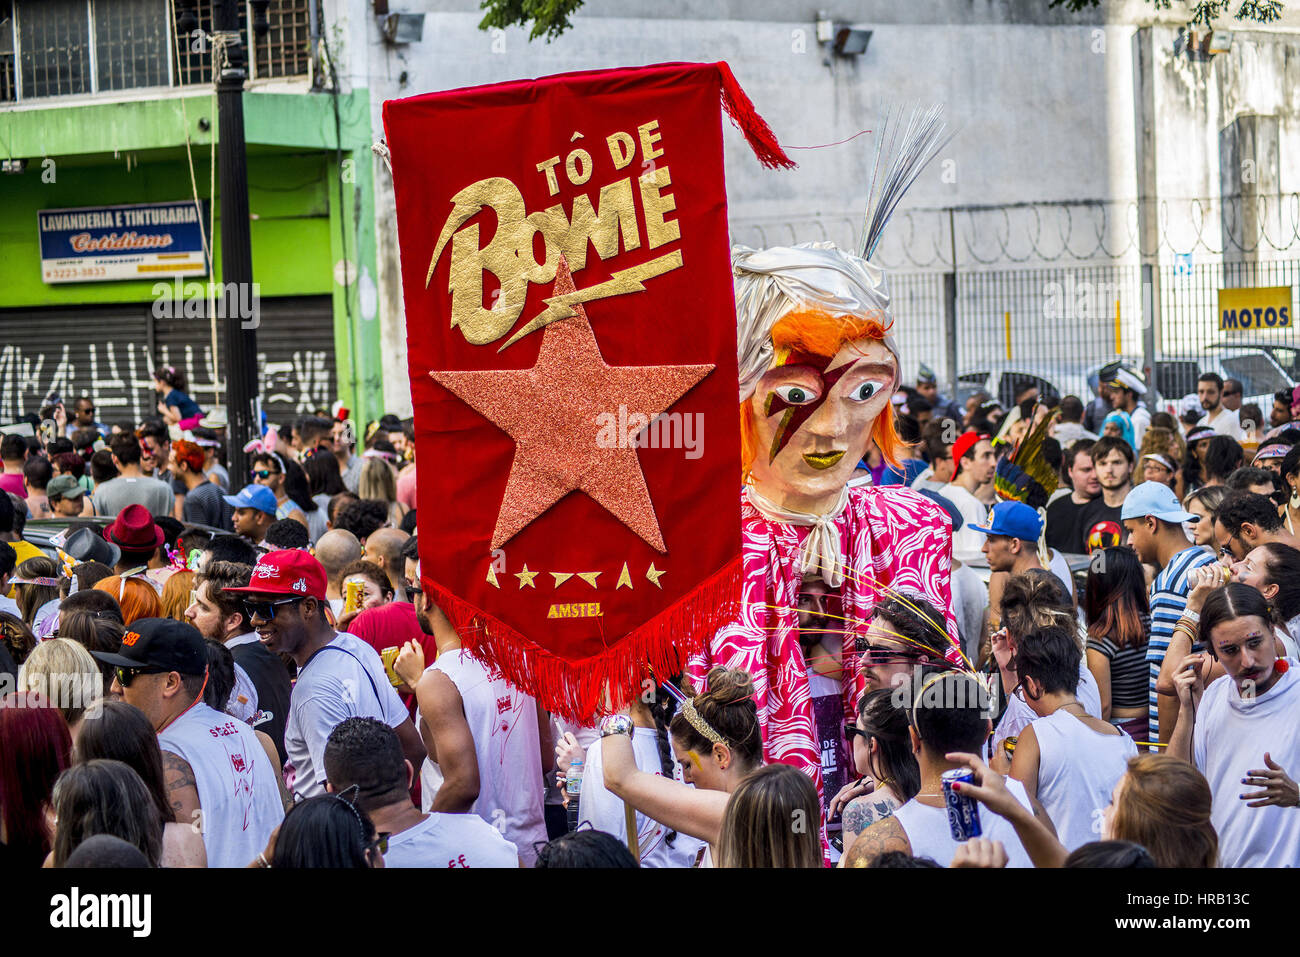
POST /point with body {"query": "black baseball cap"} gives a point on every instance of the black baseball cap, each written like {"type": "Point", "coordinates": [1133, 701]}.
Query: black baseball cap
{"type": "Point", "coordinates": [162, 643]}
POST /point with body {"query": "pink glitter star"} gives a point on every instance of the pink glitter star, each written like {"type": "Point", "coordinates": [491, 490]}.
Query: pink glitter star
{"type": "Point", "coordinates": [551, 412]}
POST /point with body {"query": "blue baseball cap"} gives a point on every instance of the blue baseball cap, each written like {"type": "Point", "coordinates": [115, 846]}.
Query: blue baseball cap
{"type": "Point", "coordinates": [1156, 499]}
{"type": "Point", "coordinates": [253, 496]}
{"type": "Point", "coordinates": [1013, 519]}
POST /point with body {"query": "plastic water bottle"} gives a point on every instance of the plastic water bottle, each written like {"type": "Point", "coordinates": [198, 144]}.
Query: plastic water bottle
{"type": "Point", "coordinates": [573, 788]}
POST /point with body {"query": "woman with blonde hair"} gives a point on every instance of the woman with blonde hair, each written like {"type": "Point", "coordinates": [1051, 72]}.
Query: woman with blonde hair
{"type": "Point", "coordinates": [1205, 502]}
{"type": "Point", "coordinates": [138, 598]}
{"type": "Point", "coordinates": [1163, 804]}
{"type": "Point", "coordinates": [715, 738]}
{"type": "Point", "coordinates": [36, 584]}
{"type": "Point", "coordinates": [771, 820]}
{"type": "Point", "coordinates": [379, 481]}
{"type": "Point", "coordinates": [64, 674]}
{"type": "Point", "coordinates": [177, 594]}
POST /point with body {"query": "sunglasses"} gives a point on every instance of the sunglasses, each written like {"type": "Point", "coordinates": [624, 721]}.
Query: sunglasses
{"type": "Point", "coordinates": [126, 675]}
{"type": "Point", "coordinates": [851, 730]}
{"type": "Point", "coordinates": [412, 588]}
{"type": "Point", "coordinates": [265, 609]}
{"type": "Point", "coordinates": [262, 473]}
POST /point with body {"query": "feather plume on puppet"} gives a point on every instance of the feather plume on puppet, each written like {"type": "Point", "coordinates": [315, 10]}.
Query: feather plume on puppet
{"type": "Point", "coordinates": [1024, 475]}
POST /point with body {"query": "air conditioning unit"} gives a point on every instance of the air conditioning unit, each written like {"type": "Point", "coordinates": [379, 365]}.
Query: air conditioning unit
{"type": "Point", "coordinates": [403, 27]}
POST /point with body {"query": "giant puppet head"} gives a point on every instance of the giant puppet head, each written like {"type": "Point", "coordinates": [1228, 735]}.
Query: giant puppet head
{"type": "Point", "coordinates": [817, 370]}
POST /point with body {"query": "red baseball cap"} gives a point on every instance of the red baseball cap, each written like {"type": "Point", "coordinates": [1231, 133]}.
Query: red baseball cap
{"type": "Point", "coordinates": [965, 442]}
{"type": "Point", "coordinates": [290, 571]}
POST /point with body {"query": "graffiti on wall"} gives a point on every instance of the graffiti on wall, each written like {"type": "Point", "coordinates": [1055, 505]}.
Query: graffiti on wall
{"type": "Point", "coordinates": [117, 376]}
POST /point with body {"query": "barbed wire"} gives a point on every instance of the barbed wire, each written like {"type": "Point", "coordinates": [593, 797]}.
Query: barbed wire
{"type": "Point", "coordinates": [1049, 232]}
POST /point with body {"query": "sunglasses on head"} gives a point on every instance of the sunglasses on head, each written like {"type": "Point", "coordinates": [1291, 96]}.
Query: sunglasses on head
{"type": "Point", "coordinates": [266, 609]}
{"type": "Point", "coordinates": [126, 675]}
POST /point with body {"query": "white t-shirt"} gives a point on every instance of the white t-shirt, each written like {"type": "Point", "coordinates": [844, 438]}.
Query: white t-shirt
{"type": "Point", "coordinates": [1019, 715]}
{"type": "Point", "coordinates": [1059, 567]}
{"type": "Point", "coordinates": [243, 697]}
{"type": "Point", "coordinates": [930, 836]}
{"type": "Point", "coordinates": [1229, 739]}
{"type": "Point", "coordinates": [1227, 422]}
{"type": "Point", "coordinates": [507, 745]}
{"type": "Point", "coordinates": [1141, 420]}
{"type": "Point", "coordinates": [345, 679]}
{"type": "Point", "coordinates": [970, 596]}
{"type": "Point", "coordinates": [967, 544]}
{"type": "Point", "coordinates": [605, 810]}
{"type": "Point", "coordinates": [450, 840]}
{"type": "Point", "coordinates": [239, 798]}
{"type": "Point", "coordinates": [1077, 770]}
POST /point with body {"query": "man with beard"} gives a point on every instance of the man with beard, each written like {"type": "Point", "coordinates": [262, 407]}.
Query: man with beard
{"type": "Point", "coordinates": [1099, 520]}
{"type": "Point", "coordinates": [1064, 531]}
{"type": "Point", "coordinates": [339, 675]}
{"type": "Point", "coordinates": [1209, 389]}
{"type": "Point", "coordinates": [821, 632]}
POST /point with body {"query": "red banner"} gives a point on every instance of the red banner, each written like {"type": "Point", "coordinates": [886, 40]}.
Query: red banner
{"type": "Point", "coordinates": [572, 345]}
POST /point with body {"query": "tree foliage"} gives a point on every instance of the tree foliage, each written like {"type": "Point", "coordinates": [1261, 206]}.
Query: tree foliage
{"type": "Point", "coordinates": [1203, 11]}
{"type": "Point", "coordinates": [549, 18]}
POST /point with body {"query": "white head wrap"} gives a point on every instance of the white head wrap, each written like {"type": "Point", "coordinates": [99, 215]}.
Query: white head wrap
{"type": "Point", "coordinates": [772, 282]}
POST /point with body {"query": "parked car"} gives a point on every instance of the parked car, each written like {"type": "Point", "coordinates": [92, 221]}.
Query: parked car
{"type": "Point", "coordinates": [1004, 379]}
{"type": "Point", "coordinates": [1286, 356]}
{"type": "Point", "coordinates": [39, 531]}
{"type": "Point", "coordinates": [1257, 370]}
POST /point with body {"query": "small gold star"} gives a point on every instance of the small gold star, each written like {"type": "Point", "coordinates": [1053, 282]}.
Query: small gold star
{"type": "Point", "coordinates": [526, 577]}
{"type": "Point", "coordinates": [561, 577]}
{"type": "Point", "coordinates": [654, 575]}
{"type": "Point", "coordinates": [589, 577]}
{"type": "Point", "coordinates": [492, 577]}
{"type": "Point", "coordinates": [624, 578]}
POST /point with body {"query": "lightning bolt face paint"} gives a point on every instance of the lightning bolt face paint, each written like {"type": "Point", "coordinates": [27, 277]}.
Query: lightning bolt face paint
{"type": "Point", "coordinates": [813, 419]}
{"type": "Point", "coordinates": [797, 413]}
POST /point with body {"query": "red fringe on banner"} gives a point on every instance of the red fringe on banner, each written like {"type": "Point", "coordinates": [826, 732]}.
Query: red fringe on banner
{"type": "Point", "coordinates": [576, 690]}
{"type": "Point", "coordinates": [758, 134]}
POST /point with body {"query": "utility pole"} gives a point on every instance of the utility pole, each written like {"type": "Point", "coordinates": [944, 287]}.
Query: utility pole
{"type": "Point", "coordinates": [243, 405]}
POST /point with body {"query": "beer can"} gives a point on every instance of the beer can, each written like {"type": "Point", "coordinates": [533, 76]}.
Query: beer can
{"type": "Point", "coordinates": [963, 812]}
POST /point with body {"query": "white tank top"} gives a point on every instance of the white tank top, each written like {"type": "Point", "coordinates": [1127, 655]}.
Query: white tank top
{"type": "Point", "coordinates": [1077, 770]}
{"type": "Point", "coordinates": [238, 795]}
{"type": "Point", "coordinates": [503, 721]}
{"type": "Point", "coordinates": [928, 832]}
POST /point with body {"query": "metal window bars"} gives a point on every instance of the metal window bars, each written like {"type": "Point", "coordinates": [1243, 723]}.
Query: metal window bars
{"type": "Point", "coordinates": [52, 48]}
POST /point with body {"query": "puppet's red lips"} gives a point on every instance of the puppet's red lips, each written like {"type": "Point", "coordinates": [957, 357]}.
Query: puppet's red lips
{"type": "Point", "coordinates": [823, 460]}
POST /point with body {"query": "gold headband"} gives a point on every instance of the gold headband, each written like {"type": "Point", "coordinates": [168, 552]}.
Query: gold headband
{"type": "Point", "coordinates": [699, 724]}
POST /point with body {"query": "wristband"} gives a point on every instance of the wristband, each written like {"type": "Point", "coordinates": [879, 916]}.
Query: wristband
{"type": "Point", "coordinates": [1193, 616]}
{"type": "Point", "coordinates": [616, 724]}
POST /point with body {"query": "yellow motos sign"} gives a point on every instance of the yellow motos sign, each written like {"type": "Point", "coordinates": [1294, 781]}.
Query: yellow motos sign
{"type": "Point", "coordinates": [1266, 307]}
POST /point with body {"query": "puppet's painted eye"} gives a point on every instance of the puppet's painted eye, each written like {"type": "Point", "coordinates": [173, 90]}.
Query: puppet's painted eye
{"type": "Point", "coordinates": [866, 390]}
{"type": "Point", "coordinates": [796, 394]}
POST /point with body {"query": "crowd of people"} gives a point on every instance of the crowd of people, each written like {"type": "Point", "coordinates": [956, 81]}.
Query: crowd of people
{"type": "Point", "coordinates": [204, 671]}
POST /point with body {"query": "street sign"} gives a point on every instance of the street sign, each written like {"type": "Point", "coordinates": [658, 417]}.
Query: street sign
{"type": "Point", "coordinates": [1265, 307]}
{"type": "Point", "coordinates": [139, 241]}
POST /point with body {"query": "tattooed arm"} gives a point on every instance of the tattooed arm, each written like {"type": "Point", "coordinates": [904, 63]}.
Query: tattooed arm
{"type": "Point", "coordinates": [861, 813]}
{"type": "Point", "coordinates": [877, 839]}
{"type": "Point", "coordinates": [182, 791]}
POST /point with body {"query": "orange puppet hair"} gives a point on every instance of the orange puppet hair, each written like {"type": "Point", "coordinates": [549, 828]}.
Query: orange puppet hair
{"type": "Point", "coordinates": [818, 333]}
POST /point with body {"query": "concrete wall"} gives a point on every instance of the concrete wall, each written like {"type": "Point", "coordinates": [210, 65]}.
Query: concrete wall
{"type": "Point", "coordinates": [1043, 168]}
